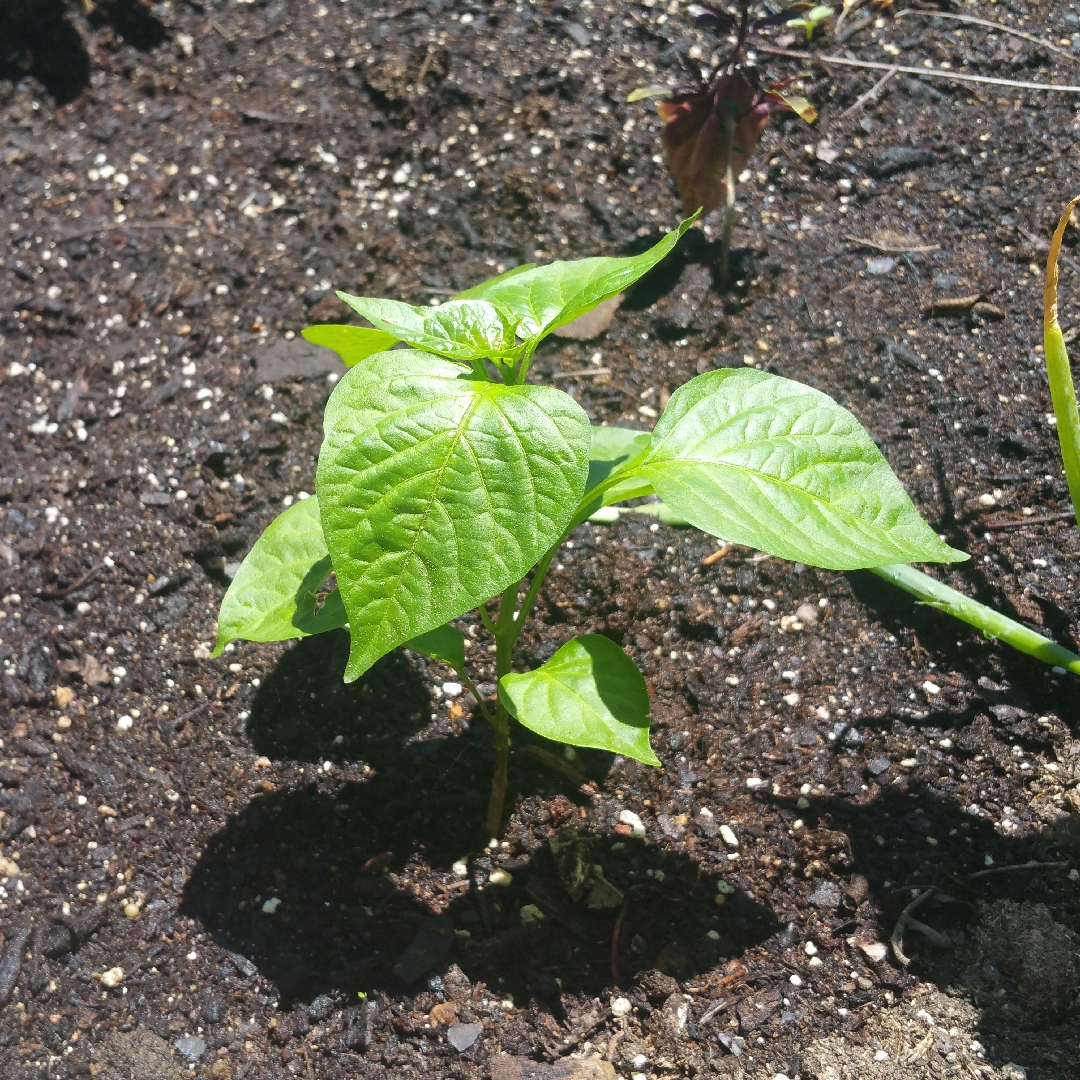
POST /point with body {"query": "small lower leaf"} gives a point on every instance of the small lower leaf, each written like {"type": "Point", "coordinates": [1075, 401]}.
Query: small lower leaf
{"type": "Point", "coordinates": [272, 597]}
{"type": "Point", "coordinates": [445, 643]}
{"type": "Point", "coordinates": [590, 693]}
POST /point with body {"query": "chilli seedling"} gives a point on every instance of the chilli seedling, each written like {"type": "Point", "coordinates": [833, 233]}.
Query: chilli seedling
{"type": "Point", "coordinates": [445, 480]}
{"type": "Point", "coordinates": [712, 128]}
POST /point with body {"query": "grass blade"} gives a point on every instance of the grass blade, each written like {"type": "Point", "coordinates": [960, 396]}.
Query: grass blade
{"type": "Point", "coordinates": [1062, 391]}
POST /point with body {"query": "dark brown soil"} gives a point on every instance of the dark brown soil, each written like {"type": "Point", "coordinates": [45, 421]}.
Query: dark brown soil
{"type": "Point", "coordinates": [184, 184]}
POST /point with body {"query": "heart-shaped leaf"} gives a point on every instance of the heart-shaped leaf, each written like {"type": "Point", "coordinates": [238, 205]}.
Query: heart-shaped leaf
{"type": "Point", "coordinates": [460, 329]}
{"type": "Point", "coordinates": [438, 490]}
{"type": "Point", "coordinates": [351, 343]}
{"type": "Point", "coordinates": [272, 597]}
{"type": "Point", "coordinates": [590, 693]}
{"type": "Point", "coordinates": [763, 461]}
{"type": "Point", "coordinates": [549, 296]}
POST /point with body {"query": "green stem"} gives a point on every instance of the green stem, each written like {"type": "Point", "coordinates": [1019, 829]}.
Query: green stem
{"type": "Point", "coordinates": [485, 618]}
{"type": "Point", "coordinates": [505, 637]}
{"type": "Point", "coordinates": [992, 623]}
{"type": "Point", "coordinates": [463, 675]}
{"type": "Point", "coordinates": [534, 590]}
{"type": "Point", "coordinates": [1062, 391]}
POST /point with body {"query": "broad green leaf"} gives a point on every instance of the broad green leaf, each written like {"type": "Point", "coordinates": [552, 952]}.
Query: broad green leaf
{"type": "Point", "coordinates": [445, 643]}
{"type": "Point", "coordinates": [478, 292]}
{"type": "Point", "coordinates": [550, 296]}
{"type": "Point", "coordinates": [459, 329]}
{"type": "Point", "coordinates": [763, 461]}
{"type": "Point", "coordinates": [351, 343]}
{"type": "Point", "coordinates": [590, 693]}
{"type": "Point", "coordinates": [272, 597]}
{"type": "Point", "coordinates": [438, 490]}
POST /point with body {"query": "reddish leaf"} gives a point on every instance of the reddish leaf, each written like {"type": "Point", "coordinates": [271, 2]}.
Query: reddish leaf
{"type": "Point", "coordinates": [697, 130]}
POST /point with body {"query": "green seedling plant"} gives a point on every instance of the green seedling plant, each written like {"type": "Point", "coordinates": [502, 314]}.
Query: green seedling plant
{"type": "Point", "coordinates": [712, 129]}
{"type": "Point", "coordinates": [812, 20]}
{"type": "Point", "coordinates": [446, 482]}
{"type": "Point", "coordinates": [1058, 371]}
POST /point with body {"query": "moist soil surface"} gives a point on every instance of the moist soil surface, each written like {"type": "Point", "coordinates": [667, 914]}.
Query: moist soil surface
{"type": "Point", "coordinates": [243, 866]}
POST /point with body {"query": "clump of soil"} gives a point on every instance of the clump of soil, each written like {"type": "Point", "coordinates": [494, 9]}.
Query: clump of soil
{"type": "Point", "coordinates": [1023, 968]}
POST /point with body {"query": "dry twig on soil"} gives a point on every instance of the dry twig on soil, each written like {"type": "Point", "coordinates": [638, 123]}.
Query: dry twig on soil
{"type": "Point", "coordinates": [896, 940]}
{"type": "Point", "coordinates": [927, 73]}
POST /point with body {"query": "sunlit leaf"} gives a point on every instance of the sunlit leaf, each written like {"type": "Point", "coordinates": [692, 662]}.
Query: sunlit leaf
{"type": "Point", "coordinates": [651, 91]}
{"type": "Point", "coordinates": [459, 330]}
{"type": "Point", "coordinates": [351, 343]}
{"type": "Point", "coordinates": [549, 296]}
{"type": "Point", "coordinates": [438, 490]}
{"type": "Point", "coordinates": [763, 461]}
{"type": "Point", "coordinates": [590, 693]}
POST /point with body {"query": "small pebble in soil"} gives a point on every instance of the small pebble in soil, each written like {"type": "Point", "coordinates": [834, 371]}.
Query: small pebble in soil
{"type": "Point", "coordinates": [112, 978]}
{"type": "Point", "coordinates": [810, 949]}
{"type": "Point", "coordinates": [125, 723]}
{"type": "Point", "coordinates": [460, 868]}
{"type": "Point", "coordinates": [462, 1036]}
{"type": "Point", "coordinates": [875, 951]}
{"type": "Point", "coordinates": [637, 826]}
{"type": "Point", "coordinates": [878, 766]}
{"type": "Point", "coordinates": [270, 906]}
{"type": "Point", "coordinates": [880, 266]}
{"type": "Point", "coordinates": [795, 980]}
{"type": "Point", "coordinates": [132, 909]}
{"type": "Point", "coordinates": [620, 1007]}
{"type": "Point", "coordinates": [530, 913]}
{"type": "Point", "coordinates": [816, 961]}
{"type": "Point", "coordinates": [754, 782]}
{"type": "Point", "coordinates": [501, 877]}
{"type": "Point", "coordinates": [451, 689]}
{"type": "Point", "coordinates": [191, 1046]}
{"type": "Point", "coordinates": [728, 835]}
{"type": "Point", "coordinates": [826, 895]}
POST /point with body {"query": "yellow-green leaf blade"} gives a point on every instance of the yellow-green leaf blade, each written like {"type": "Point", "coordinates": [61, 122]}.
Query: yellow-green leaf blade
{"type": "Point", "coordinates": [770, 463]}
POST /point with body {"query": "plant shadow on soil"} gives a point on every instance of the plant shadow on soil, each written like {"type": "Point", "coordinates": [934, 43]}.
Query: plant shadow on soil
{"type": "Point", "coordinates": [1027, 685]}
{"type": "Point", "coordinates": [342, 928]}
{"type": "Point", "coordinates": [40, 40]}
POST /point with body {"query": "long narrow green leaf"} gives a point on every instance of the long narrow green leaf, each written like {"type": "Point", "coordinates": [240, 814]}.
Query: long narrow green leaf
{"type": "Point", "coordinates": [1062, 391]}
{"type": "Point", "coordinates": [550, 296]}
